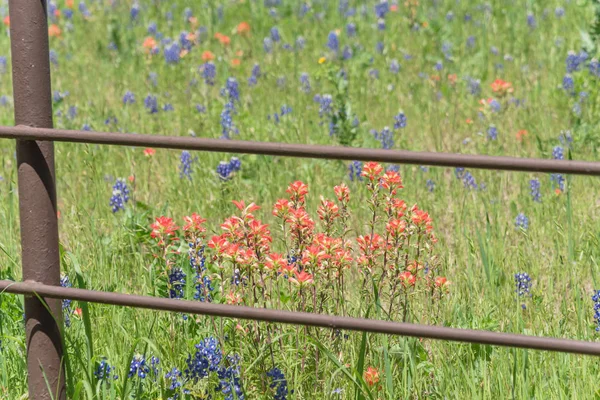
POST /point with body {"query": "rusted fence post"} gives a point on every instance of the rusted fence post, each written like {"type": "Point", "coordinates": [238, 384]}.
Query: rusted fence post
{"type": "Point", "coordinates": [37, 196]}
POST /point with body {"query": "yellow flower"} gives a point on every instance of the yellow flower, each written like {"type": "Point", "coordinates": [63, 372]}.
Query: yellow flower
{"type": "Point", "coordinates": [322, 60]}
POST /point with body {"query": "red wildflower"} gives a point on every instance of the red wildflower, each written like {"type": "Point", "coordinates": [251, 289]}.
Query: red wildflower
{"type": "Point", "coordinates": [298, 191]}
{"type": "Point", "coordinates": [342, 193]}
{"type": "Point", "coordinates": [243, 28]}
{"type": "Point", "coordinates": [149, 152]}
{"type": "Point", "coordinates": [218, 243]}
{"type": "Point", "coordinates": [54, 31]}
{"type": "Point", "coordinates": [6, 21]}
{"type": "Point", "coordinates": [194, 223]}
{"type": "Point", "coordinates": [328, 210]}
{"type": "Point", "coordinates": [162, 228]}
{"type": "Point", "coordinates": [208, 56]}
{"type": "Point", "coordinates": [441, 282]}
{"type": "Point", "coordinates": [521, 135]}
{"type": "Point", "coordinates": [301, 278]}
{"type": "Point", "coordinates": [371, 376]}
{"type": "Point", "coordinates": [372, 170]}
{"type": "Point", "coordinates": [392, 181]}
{"type": "Point", "coordinates": [281, 208]}
{"type": "Point", "coordinates": [407, 279]}
{"type": "Point", "coordinates": [236, 62]}
{"type": "Point", "coordinates": [501, 87]}
{"type": "Point", "coordinates": [395, 227]}
{"type": "Point", "coordinates": [149, 44]}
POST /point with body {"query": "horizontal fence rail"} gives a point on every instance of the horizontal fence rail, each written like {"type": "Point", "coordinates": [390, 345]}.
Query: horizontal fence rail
{"type": "Point", "coordinates": [304, 150]}
{"type": "Point", "coordinates": [303, 318]}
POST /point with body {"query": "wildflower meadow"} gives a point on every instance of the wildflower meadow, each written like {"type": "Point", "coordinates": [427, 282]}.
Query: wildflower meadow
{"type": "Point", "coordinates": [457, 247]}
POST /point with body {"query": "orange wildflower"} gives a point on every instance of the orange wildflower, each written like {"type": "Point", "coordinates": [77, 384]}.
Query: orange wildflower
{"type": "Point", "coordinates": [371, 376]}
{"type": "Point", "coordinates": [6, 21]}
{"type": "Point", "coordinates": [521, 135]}
{"type": "Point", "coordinates": [149, 43]}
{"type": "Point", "coordinates": [452, 79]}
{"type": "Point", "coordinates": [243, 28]}
{"type": "Point", "coordinates": [208, 56]}
{"type": "Point", "coordinates": [501, 87]}
{"type": "Point", "coordinates": [223, 39]}
{"type": "Point", "coordinates": [236, 62]}
{"type": "Point", "coordinates": [70, 3]}
{"type": "Point", "coordinates": [149, 151]}
{"type": "Point", "coordinates": [54, 31]}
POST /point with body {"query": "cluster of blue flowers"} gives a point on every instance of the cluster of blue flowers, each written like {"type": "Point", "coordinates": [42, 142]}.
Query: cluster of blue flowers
{"type": "Point", "coordinates": [186, 162]}
{"type": "Point", "coordinates": [467, 178]}
{"type": "Point", "coordinates": [535, 186]}
{"type": "Point", "coordinates": [225, 170]}
{"type": "Point", "coordinates": [255, 74]}
{"type": "Point", "coordinates": [66, 303]}
{"type": "Point", "coordinates": [558, 180]}
{"type": "Point", "coordinates": [523, 286]}
{"type": "Point", "coordinates": [176, 283]}
{"type": "Point", "coordinates": [232, 93]}
{"type": "Point", "coordinates": [151, 104]}
{"type": "Point", "coordinates": [522, 221]}
{"type": "Point", "coordinates": [355, 170]}
{"type": "Point", "coordinates": [385, 137]}
{"type": "Point", "coordinates": [285, 110]}
{"type": "Point", "coordinates": [103, 371]}
{"type": "Point", "coordinates": [138, 367]}
{"type": "Point", "coordinates": [492, 133]}
{"type": "Point", "coordinates": [230, 383]}
{"type": "Point", "coordinates": [209, 72]}
{"type": "Point", "coordinates": [596, 300]}
{"type": "Point", "coordinates": [305, 82]}
{"type": "Point", "coordinates": [279, 383]}
{"type": "Point", "coordinates": [120, 195]}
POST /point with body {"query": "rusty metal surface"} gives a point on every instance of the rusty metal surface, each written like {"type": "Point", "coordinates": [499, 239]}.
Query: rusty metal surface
{"type": "Point", "coordinates": [308, 319]}
{"type": "Point", "coordinates": [37, 196]}
{"type": "Point", "coordinates": [306, 151]}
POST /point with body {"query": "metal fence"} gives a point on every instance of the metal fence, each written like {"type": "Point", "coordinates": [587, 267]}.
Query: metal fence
{"type": "Point", "coordinates": [39, 229]}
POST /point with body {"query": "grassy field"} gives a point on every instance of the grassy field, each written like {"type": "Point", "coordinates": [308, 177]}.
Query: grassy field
{"type": "Point", "coordinates": [512, 78]}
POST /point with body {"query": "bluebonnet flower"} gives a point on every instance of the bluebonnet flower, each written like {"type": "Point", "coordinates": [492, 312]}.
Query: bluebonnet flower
{"type": "Point", "coordinates": [227, 125]}
{"type": "Point", "coordinates": [355, 170]}
{"type": "Point", "coordinates": [58, 96]}
{"type": "Point", "coordinates": [153, 78]}
{"type": "Point", "coordinates": [381, 24]}
{"type": "Point", "coordinates": [66, 303]}
{"type": "Point", "coordinates": [430, 185]}
{"type": "Point", "coordinates": [224, 170]}
{"type": "Point", "coordinates": [385, 137]}
{"type": "Point", "coordinates": [594, 67]}
{"type": "Point", "coordinates": [381, 9]}
{"type": "Point", "coordinates": [393, 168]}
{"type": "Point", "coordinates": [558, 153]}
{"type": "Point", "coordinates": [84, 10]}
{"type": "Point", "coordinates": [4, 100]}
{"type": "Point", "coordinates": [333, 42]}
{"type": "Point", "coordinates": [120, 195]}
{"type": "Point", "coordinates": [535, 186]}
{"type": "Point", "coordinates": [559, 12]}
{"type": "Point", "coordinates": [494, 50]}
{"type": "Point", "coordinates": [68, 13]}
{"type": "Point", "coordinates": [128, 98]}
{"type": "Point", "coordinates": [200, 108]}
{"type": "Point", "coordinates": [255, 74]}
{"type": "Point", "coordinates": [235, 164]}
{"type": "Point", "coordinates": [275, 36]}
{"type": "Point", "coordinates": [468, 17]}
{"type": "Point", "coordinates": [466, 177]}
{"type": "Point", "coordinates": [574, 61]}
{"type": "Point", "coordinates": [4, 63]}
{"type": "Point", "coordinates": [134, 12]}
{"type": "Point", "coordinates": [172, 53]}
{"type": "Point", "coordinates": [229, 380]}
{"type": "Point", "coordinates": [151, 104]}
{"type": "Point", "coordinates": [531, 20]}
{"type": "Point", "coordinates": [206, 359]}
{"type": "Point", "coordinates": [168, 107]}
{"type": "Point", "coordinates": [138, 367]}
{"type": "Point", "coordinates": [568, 84]}
{"type": "Point", "coordinates": [495, 105]}
{"type": "Point", "coordinates": [400, 120]}
{"type": "Point", "coordinates": [188, 13]}
{"type": "Point", "coordinates": [474, 86]}
{"type": "Point", "coordinates": [52, 56]}
{"type": "Point", "coordinates": [596, 300]}
{"type": "Point", "coordinates": [86, 127]}
{"type": "Point", "coordinates": [103, 371]}
{"type": "Point", "coordinates": [566, 139]}
{"type": "Point", "coordinates": [522, 221]}
{"type": "Point", "coordinates": [209, 72]}
{"type": "Point", "coordinates": [305, 82]}
{"type": "Point", "coordinates": [154, 361]}
{"type": "Point", "coordinates": [279, 383]}
{"type": "Point", "coordinates": [152, 28]}
{"type": "Point", "coordinates": [374, 73]}
{"type": "Point", "coordinates": [523, 286]}
{"type": "Point", "coordinates": [111, 120]}
{"type": "Point", "coordinates": [184, 42]}
{"type": "Point", "coordinates": [231, 90]}
{"type": "Point", "coordinates": [471, 41]}
{"type": "Point", "coordinates": [72, 112]}
{"type": "Point", "coordinates": [447, 50]}
{"type": "Point", "coordinates": [438, 66]}
{"type": "Point", "coordinates": [325, 104]}
{"type": "Point", "coordinates": [337, 391]}
{"type": "Point", "coordinates": [379, 47]}
{"type": "Point", "coordinates": [185, 166]}
{"type": "Point", "coordinates": [449, 16]}
{"type": "Point", "coordinates": [176, 283]}
{"type": "Point", "coordinates": [169, 15]}
{"type": "Point", "coordinates": [173, 378]}
{"type": "Point", "coordinates": [394, 66]}
{"type": "Point", "coordinates": [347, 53]}
{"type": "Point", "coordinates": [492, 132]}
{"type": "Point", "coordinates": [285, 109]}
{"type": "Point", "coordinates": [351, 29]}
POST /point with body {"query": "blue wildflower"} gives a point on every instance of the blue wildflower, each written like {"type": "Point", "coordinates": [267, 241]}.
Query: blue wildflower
{"type": "Point", "coordinates": [474, 86]}
{"type": "Point", "coordinates": [355, 170]}
{"type": "Point", "coordinates": [596, 300]}
{"type": "Point", "coordinates": [268, 45]}
{"type": "Point", "coordinates": [381, 9]}
{"type": "Point", "coordinates": [134, 12]}
{"type": "Point", "coordinates": [305, 82]}
{"type": "Point", "coordinates": [300, 42]}
{"type": "Point", "coordinates": [206, 359]}
{"type": "Point", "coordinates": [229, 380]}
{"type": "Point", "coordinates": [120, 195]}
{"type": "Point", "coordinates": [492, 132]}
{"type": "Point", "coordinates": [176, 283]}
{"type": "Point", "coordinates": [438, 66]}
{"type": "Point", "coordinates": [66, 303]}
{"type": "Point", "coordinates": [128, 98]}
{"type": "Point", "coordinates": [152, 28]}
{"type": "Point", "coordinates": [279, 383]}
{"type": "Point", "coordinates": [200, 108]}
{"type": "Point", "coordinates": [173, 378]}
{"type": "Point", "coordinates": [151, 104]}
{"type": "Point", "coordinates": [594, 67]}
{"type": "Point", "coordinates": [185, 166]}
{"type": "Point", "coordinates": [531, 20]}
{"type": "Point", "coordinates": [558, 153]}
{"type": "Point", "coordinates": [103, 371]}
{"type": "Point", "coordinates": [394, 66]}
{"type": "Point", "coordinates": [466, 177]}
{"type": "Point", "coordinates": [185, 42]}
{"type": "Point", "coordinates": [379, 47]}
{"type": "Point", "coordinates": [495, 105]}
{"type": "Point", "coordinates": [333, 42]}
{"type": "Point", "coordinates": [224, 170]}
{"type": "Point", "coordinates": [138, 367]}
{"type": "Point", "coordinates": [351, 29]}
{"type": "Point", "coordinates": [566, 139]}
{"type": "Point", "coordinates": [449, 16]}
{"type": "Point", "coordinates": [381, 24]}
{"type": "Point", "coordinates": [168, 107]}
{"type": "Point", "coordinates": [523, 286]}
{"type": "Point", "coordinates": [400, 120]}
{"type": "Point", "coordinates": [522, 221]}
{"type": "Point", "coordinates": [84, 10]}
{"type": "Point", "coordinates": [568, 84]}
{"type": "Point", "coordinates": [171, 53]}
{"type": "Point", "coordinates": [254, 75]}
{"type": "Point", "coordinates": [535, 186]}
{"type": "Point", "coordinates": [347, 53]}
{"type": "Point", "coordinates": [430, 185]}
{"type": "Point", "coordinates": [385, 137]}
{"type": "Point", "coordinates": [275, 36]}
{"type": "Point", "coordinates": [471, 41]}
{"type": "Point", "coordinates": [227, 125]}
{"type": "Point", "coordinates": [52, 55]}
{"type": "Point", "coordinates": [559, 12]}
{"type": "Point", "coordinates": [209, 72]}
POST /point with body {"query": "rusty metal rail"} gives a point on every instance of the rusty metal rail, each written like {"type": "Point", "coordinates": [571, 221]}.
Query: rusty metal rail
{"type": "Point", "coordinates": [304, 150]}
{"type": "Point", "coordinates": [303, 318]}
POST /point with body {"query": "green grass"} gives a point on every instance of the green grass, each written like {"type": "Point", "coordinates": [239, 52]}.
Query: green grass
{"type": "Point", "coordinates": [479, 248]}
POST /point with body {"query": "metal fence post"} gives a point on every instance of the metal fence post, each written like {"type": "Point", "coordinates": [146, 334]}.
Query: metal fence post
{"type": "Point", "coordinates": [37, 196]}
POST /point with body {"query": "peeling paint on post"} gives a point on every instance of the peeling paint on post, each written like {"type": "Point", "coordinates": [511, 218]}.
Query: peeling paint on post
{"type": "Point", "coordinates": [37, 196]}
